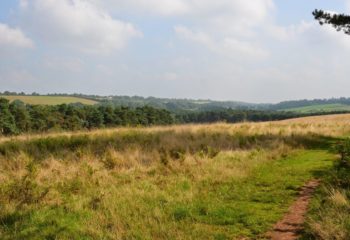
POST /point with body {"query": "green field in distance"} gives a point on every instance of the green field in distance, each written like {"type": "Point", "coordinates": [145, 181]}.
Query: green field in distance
{"type": "Point", "coordinates": [49, 100]}
{"type": "Point", "coordinates": [320, 108]}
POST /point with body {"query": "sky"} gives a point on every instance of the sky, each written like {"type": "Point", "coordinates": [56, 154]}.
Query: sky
{"type": "Point", "coordinates": [253, 51]}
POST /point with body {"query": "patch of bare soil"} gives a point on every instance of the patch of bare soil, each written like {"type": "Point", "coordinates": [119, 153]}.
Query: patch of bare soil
{"type": "Point", "coordinates": [291, 225]}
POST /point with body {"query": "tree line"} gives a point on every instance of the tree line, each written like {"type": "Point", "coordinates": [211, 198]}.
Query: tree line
{"type": "Point", "coordinates": [188, 105]}
{"type": "Point", "coordinates": [234, 116]}
{"type": "Point", "coordinates": [17, 117]}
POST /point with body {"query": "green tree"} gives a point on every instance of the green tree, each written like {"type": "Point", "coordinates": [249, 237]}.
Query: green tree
{"type": "Point", "coordinates": [7, 121]}
{"type": "Point", "coordinates": [38, 116]}
{"type": "Point", "coordinates": [109, 117]}
{"type": "Point", "coordinates": [94, 118]}
{"type": "Point", "coordinates": [21, 116]}
{"type": "Point", "coordinates": [72, 118]}
{"type": "Point", "coordinates": [341, 22]}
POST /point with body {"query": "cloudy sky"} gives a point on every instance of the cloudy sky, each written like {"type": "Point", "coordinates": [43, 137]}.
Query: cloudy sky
{"type": "Point", "coordinates": [255, 51]}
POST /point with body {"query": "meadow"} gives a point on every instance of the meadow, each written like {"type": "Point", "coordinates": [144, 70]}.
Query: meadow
{"type": "Point", "coordinates": [49, 100]}
{"type": "Point", "coordinates": [320, 108]}
{"type": "Point", "coordinates": [210, 181]}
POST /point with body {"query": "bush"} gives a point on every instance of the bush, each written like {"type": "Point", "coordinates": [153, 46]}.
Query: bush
{"type": "Point", "coordinates": [343, 148]}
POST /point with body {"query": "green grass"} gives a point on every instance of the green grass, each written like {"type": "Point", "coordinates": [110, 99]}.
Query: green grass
{"type": "Point", "coordinates": [49, 100]}
{"type": "Point", "coordinates": [328, 216]}
{"type": "Point", "coordinates": [186, 182]}
{"type": "Point", "coordinates": [320, 108]}
{"type": "Point", "coordinates": [163, 203]}
{"type": "Point", "coordinates": [250, 207]}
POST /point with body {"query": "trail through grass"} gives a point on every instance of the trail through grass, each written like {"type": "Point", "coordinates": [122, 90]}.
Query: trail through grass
{"type": "Point", "coordinates": [217, 181]}
{"type": "Point", "coordinates": [248, 207]}
{"type": "Point", "coordinates": [162, 202]}
{"type": "Point", "coordinates": [329, 214]}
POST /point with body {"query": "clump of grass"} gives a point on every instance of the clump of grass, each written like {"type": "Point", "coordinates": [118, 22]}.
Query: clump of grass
{"type": "Point", "coordinates": [329, 216]}
{"type": "Point", "coordinates": [339, 198]}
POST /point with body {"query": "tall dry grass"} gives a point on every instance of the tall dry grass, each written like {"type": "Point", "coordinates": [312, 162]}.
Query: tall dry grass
{"type": "Point", "coordinates": [329, 125]}
{"type": "Point", "coordinates": [136, 183]}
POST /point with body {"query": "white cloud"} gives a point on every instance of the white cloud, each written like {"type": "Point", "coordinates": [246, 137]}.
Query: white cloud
{"type": "Point", "coordinates": [228, 46]}
{"type": "Point", "coordinates": [311, 33]}
{"type": "Point", "coordinates": [347, 6]}
{"type": "Point", "coordinates": [10, 37]}
{"type": "Point", "coordinates": [256, 9]}
{"type": "Point", "coordinates": [78, 24]}
{"type": "Point", "coordinates": [334, 37]}
{"type": "Point", "coordinates": [149, 7]}
{"type": "Point", "coordinates": [287, 33]}
{"type": "Point", "coordinates": [220, 43]}
{"type": "Point", "coordinates": [170, 76]}
{"type": "Point", "coordinates": [198, 37]}
{"type": "Point", "coordinates": [14, 77]}
{"type": "Point", "coordinates": [236, 17]}
{"type": "Point", "coordinates": [228, 27]}
{"type": "Point", "coordinates": [66, 64]}
{"type": "Point", "coordinates": [243, 47]}
{"type": "Point", "coordinates": [104, 70]}
{"type": "Point", "coordinates": [225, 15]}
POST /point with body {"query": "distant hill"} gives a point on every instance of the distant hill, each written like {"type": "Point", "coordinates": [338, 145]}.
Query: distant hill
{"type": "Point", "coordinates": [336, 107]}
{"type": "Point", "coordinates": [332, 104]}
{"type": "Point", "coordinates": [49, 100]}
{"type": "Point", "coordinates": [183, 105]}
{"type": "Point", "coordinates": [179, 104]}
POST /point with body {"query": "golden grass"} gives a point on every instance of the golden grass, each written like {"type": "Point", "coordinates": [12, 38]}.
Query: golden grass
{"type": "Point", "coordinates": [338, 198]}
{"type": "Point", "coordinates": [329, 125]}
{"type": "Point", "coordinates": [156, 182]}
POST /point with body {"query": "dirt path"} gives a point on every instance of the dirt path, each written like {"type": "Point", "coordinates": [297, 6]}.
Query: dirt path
{"type": "Point", "coordinates": [292, 223]}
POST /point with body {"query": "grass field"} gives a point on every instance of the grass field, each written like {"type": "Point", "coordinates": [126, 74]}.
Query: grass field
{"type": "Point", "coordinates": [217, 181]}
{"type": "Point", "coordinates": [49, 100]}
{"type": "Point", "coordinates": [320, 108]}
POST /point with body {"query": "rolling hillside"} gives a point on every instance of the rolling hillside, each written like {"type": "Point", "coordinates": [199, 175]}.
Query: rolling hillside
{"type": "Point", "coordinates": [49, 100]}
{"type": "Point", "coordinates": [320, 108]}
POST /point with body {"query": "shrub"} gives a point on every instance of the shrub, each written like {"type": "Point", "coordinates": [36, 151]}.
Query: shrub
{"type": "Point", "coordinates": [343, 148]}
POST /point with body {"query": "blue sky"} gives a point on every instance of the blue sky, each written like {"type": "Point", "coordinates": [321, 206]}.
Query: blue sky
{"type": "Point", "coordinates": [255, 51]}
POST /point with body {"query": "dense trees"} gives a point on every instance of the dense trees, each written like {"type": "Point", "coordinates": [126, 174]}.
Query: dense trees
{"type": "Point", "coordinates": [17, 117]}
{"type": "Point", "coordinates": [234, 116]}
{"type": "Point", "coordinates": [339, 21]}
{"type": "Point", "coordinates": [7, 121]}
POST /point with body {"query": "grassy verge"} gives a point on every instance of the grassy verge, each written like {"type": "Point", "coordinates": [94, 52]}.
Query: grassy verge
{"type": "Point", "coordinates": [230, 195]}
{"type": "Point", "coordinates": [329, 214]}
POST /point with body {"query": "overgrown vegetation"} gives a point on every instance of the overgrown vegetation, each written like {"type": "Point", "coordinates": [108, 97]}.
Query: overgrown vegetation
{"type": "Point", "coordinates": [329, 217]}
{"type": "Point", "coordinates": [216, 181]}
